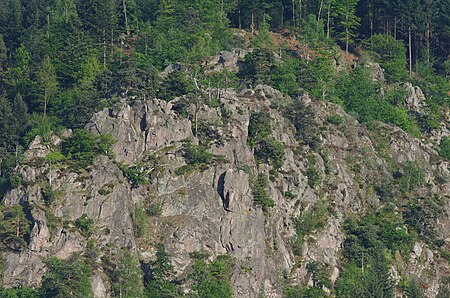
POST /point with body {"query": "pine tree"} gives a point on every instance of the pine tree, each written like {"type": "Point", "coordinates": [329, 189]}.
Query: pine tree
{"type": "Point", "coordinates": [46, 76]}
{"type": "Point", "coordinates": [346, 20]}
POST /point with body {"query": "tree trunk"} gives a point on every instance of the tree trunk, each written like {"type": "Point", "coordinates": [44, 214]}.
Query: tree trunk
{"type": "Point", "coordinates": [104, 48]}
{"type": "Point", "coordinates": [320, 10]}
{"type": "Point", "coordinates": [299, 10]}
{"type": "Point", "coordinates": [45, 101]}
{"type": "Point", "coordinates": [293, 12]}
{"type": "Point", "coordinates": [127, 29]}
{"type": "Point", "coordinates": [395, 27]}
{"type": "Point", "coordinates": [410, 49]}
{"type": "Point", "coordinates": [239, 15]}
{"type": "Point", "coordinates": [328, 20]}
{"type": "Point", "coordinates": [347, 34]}
{"type": "Point", "coordinates": [48, 25]}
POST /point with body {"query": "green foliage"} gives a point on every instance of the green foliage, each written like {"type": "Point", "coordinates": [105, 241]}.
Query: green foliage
{"type": "Point", "coordinates": [372, 280]}
{"type": "Point", "coordinates": [413, 290]}
{"type": "Point", "coordinates": [267, 149]}
{"type": "Point", "coordinates": [314, 176]}
{"type": "Point", "coordinates": [55, 157]}
{"type": "Point", "coordinates": [137, 174]}
{"type": "Point", "coordinates": [270, 151]}
{"type": "Point", "coordinates": [22, 292]}
{"type": "Point", "coordinates": [14, 227]}
{"type": "Point", "coordinates": [83, 146]}
{"type": "Point", "coordinates": [312, 33]}
{"type": "Point", "coordinates": [376, 231]}
{"type": "Point", "coordinates": [174, 85]}
{"type": "Point", "coordinates": [212, 280]}
{"type": "Point", "coordinates": [160, 283]}
{"type": "Point", "coordinates": [421, 216]}
{"type": "Point", "coordinates": [261, 198]}
{"type": "Point", "coordinates": [258, 66]}
{"type": "Point", "coordinates": [9, 178]}
{"type": "Point", "coordinates": [361, 94]}
{"type": "Point", "coordinates": [285, 77]}
{"type": "Point", "coordinates": [317, 77]}
{"type": "Point", "coordinates": [264, 39]}
{"type": "Point", "coordinates": [306, 127]}
{"type": "Point", "coordinates": [85, 224]}
{"type": "Point", "coordinates": [335, 119]}
{"type": "Point", "coordinates": [154, 209]}
{"type": "Point", "coordinates": [49, 195]}
{"type": "Point", "coordinates": [127, 276]}
{"type": "Point", "coordinates": [139, 222]}
{"type": "Point", "coordinates": [43, 126]}
{"type": "Point", "coordinates": [304, 292]}
{"type": "Point", "coordinates": [390, 54]}
{"type": "Point", "coordinates": [412, 177]}
{"type": "Point", "coordinates": [346, 20]}
{"type": "Point", "coordinates": [318, 274]}
{"type": "Point", "coordinates": [198, 157]}
{"type": "Point", "coordinates": [310, 221]}
{"type": "Point", "coordinates": [444, 148]}
{"type": "Point", "coordinates": [66, 278]}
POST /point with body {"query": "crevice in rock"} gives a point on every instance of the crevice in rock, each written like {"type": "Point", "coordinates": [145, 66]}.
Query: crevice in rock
{"type": "Point", "coordinates": [29, 216]}
{"type": "Point", "coordinates": [221, 188]}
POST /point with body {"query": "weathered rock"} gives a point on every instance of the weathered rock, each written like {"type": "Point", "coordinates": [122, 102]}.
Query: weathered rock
{"type": "Point", "coordinates": [415, 99]}
{"type": "Point", "coordinates": [148, 125]}
{"type": "Point", "coordinates": [226, 60]}
{"type": "Point", "coordinates": [213, 210]}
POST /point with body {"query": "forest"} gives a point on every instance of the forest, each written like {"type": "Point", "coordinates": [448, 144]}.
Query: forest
{"type": "Point", "coordinates": [63, 60]}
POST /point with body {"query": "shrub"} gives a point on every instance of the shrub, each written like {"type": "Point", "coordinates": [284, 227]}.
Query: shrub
{"type": "Point", "coordinates": [391, 54]}
{"type": "Point", "coordinates": [412, 177]}
{"type": "Point", "coordinates": [267, 149]}
{"type": "Point", "coordinates": [49, 195]}
{"type": "Point", "coordinates": [83, 146]}
{"type": "Point", "coordinates": [259, 191]}
{"type": "Point", "coordinates": [136, 174]}
{"type": "Point", "coordinates": [303, 119]}
{"type": "Point", "coordinates": [198, 157]}
{"type": "Point", "coordinates": [270, 151]}
{"type": "Point", "coordinates": [126, 277]}
{"type": "Point", "coordinates": [22, 292]}
{"type": "Point", "coordinates": [55, 157]}
{"type": "Point", "coordinates": [158, 283]}
{"type": "Point", "coordinates": [66, 278]}
{"type": "Point", "coordinates": [360, 94]}
{"type": "Point", "coordinates": [214, 279]}
{"type": "Point", "coordinates": [9, 178]}
{"type": "Point", "coordinates": [196, 154]}
{"type": "Point", "coordinates": [154, 209]}
{"type": "Point", "coordinates": [258, 66]}
{"type": "Point", "coordinates": [174, 85]}
{"type": "Point", "coordinates": [421, 216]}
{"type": "Point", "coordinates": [335, 119]}
{"type": "Point", "coordinates": [310, 221]}
{"type": "Point", "coordinates": [139, 222]}
{"type": "Point", "coordinates": [318, 273]}
{"type": "Point", "coordinates": [14, 227]}
{"type": "Point", "coordinates": [314, 176]}
{"type": "Point", "coordinates": [304, 292]}
{"type": "Point", "coordinates": [444, 148]}
{"type": "Point", "coordinates": [84, 224]}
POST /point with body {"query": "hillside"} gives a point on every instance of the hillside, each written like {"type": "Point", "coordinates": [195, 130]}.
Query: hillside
{"type": "Point", "coordinates": [224, 149]}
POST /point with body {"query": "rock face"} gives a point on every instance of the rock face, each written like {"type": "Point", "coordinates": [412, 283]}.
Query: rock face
{"type": "Point", "coordinates": [212, 210]}
{"type": "Point", "coordinates": [415, 99]}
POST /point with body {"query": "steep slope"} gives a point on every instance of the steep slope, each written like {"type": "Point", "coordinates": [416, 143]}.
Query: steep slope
{"type": "Point", "coordinates": [210, 205]}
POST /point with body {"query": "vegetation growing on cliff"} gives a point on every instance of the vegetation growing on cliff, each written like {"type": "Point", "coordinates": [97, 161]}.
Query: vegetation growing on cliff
{"type": "Point", "coordinates": [63, 60]}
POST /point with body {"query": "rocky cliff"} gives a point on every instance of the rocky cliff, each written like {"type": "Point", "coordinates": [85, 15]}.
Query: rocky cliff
{"type": "Point", "coordinates": [211, 208]}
